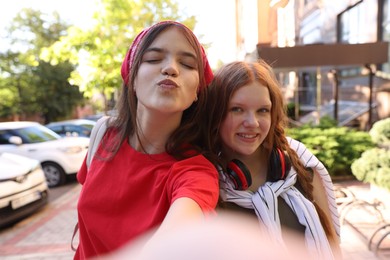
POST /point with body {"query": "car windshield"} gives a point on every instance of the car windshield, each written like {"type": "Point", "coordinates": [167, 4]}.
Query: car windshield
{"type": "Point", "coordinates": [88, 126]}
{"type": "Point", "coordinates": [35, 134]}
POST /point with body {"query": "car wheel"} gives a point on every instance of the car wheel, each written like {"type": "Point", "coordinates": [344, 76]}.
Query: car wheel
{"type": "Point", "coordinates": [55, 175]}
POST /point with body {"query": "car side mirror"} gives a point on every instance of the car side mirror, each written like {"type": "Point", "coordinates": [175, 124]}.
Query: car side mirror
{"type": "Point", "coordinates": [16, 140]}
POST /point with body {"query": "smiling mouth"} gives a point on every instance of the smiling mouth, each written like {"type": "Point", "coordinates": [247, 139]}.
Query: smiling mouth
{"type": "Point", "coordinates": [248, 136]}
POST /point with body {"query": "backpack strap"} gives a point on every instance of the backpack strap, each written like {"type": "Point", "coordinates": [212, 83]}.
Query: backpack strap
{"type": "Point", "coordinates": [97, 134]}
{"type": "Point", "coordinates": [76, 228]}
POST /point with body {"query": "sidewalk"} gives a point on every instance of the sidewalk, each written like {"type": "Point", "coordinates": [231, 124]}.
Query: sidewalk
{"type": "Point", "coordinates": [362, 219]}
{"type": "Point", "coordinates": [47, 234]}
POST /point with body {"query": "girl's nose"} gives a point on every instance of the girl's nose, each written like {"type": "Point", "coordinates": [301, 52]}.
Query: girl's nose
{"type": "Point", "coordinates": [170, 68]}
{"type": "Point", "coordinates": [251, 120]}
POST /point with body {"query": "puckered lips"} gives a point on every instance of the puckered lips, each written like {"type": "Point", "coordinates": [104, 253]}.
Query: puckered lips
{"type": "Point", "coordinates": [167, 84]}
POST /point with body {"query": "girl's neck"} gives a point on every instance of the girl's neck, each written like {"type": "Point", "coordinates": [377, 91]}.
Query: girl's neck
{"type": "Point", "coordinates": [154, 130]}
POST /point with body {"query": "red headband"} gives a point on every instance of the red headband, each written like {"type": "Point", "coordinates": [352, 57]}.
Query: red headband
{"type": "Point", "coordinates": [129, 58]}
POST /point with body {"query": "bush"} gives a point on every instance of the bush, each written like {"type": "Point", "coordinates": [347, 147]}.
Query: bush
{"type": "Point", "coordinates": [336, 147]}
{"type": "Point", "coordinates": [291, 110]}
{"type": "Point", "coordinates": [380, 133]}
{"type": "Point", "coordinates": [374, 164]}
{"type": "Point", "coordinates": [373, 167]}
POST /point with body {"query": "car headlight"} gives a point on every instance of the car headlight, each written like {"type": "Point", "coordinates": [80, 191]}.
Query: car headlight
{"type": "Point", "coordinates": [36, 167]}
{"type": "Point", "coordinates": [71, 149]}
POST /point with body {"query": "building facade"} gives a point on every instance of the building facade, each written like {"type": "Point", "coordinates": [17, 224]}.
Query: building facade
{"type": "Point", "coordinates": [290, 23]}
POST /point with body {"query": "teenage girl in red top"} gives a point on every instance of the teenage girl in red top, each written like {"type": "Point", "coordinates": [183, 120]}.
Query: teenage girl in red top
{"type": "Point", "coordinates": [148, 172]}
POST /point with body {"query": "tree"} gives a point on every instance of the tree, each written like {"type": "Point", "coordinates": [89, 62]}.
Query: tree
{"type": "Point", "coordinates": [58, 95]}
{"type": "Point", "coordinates": [10, 86]}
{"type": "Point", "coordinates": [105, 44]}
{"type": "Point", "coordinates": [26, 81]}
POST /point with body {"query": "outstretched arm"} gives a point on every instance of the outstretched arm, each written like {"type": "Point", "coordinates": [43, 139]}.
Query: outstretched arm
{"type": "Point", "coordinates": [183, 211]}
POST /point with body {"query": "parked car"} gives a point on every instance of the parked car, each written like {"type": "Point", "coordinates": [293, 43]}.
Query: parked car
{"type": "Point", "coordinates": [59, 156]}
{"type": "Point", "coordinates": [96, 117]}
{"type": "Point", "coordinates": [74, 127]}
{"type": "Point", "coordinates": [23, 188]}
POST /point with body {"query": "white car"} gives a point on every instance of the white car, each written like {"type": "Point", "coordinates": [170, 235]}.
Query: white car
{"type": "Point", "coordinates": [23, 187]}
{"type": "Point", "coordinates": [59, 156]}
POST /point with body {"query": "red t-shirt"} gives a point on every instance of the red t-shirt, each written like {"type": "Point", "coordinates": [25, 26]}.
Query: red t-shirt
{"type": "Point", "coordinates": [131, 193]}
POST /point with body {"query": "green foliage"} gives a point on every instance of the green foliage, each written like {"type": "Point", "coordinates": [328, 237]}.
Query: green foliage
{"type": "Point", "coordinates": [41, 76]}
{"type": "Point", "coordinates": [58, 96]}
{"type": "Point", "coordinates": [336, 147]}
{"type": "Point", "coordinates": [33, 30]}
{"type": "Point", "coordinates": [291, 110]}
{"type": "Point", "coordinates": [28, 85]}
{"type": "Point", "coordinates": [16, 89]}
{"type": "Point", "coordinates": [325, 122]}
{"type": "Point", "coordinates": [380, 132]}
{"type": "Point", "coordinates": [374, 164]}
{"type": "Point", "coordinates": [373, 167]}
{"type": "Point", "coordinates": [104, 45]}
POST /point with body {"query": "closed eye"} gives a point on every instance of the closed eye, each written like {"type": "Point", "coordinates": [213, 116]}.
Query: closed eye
{"type": "Point", "coordinates": [188, 66]}
{"type": "Point", "coordinates": [188, 62]}
{"type": "Point", "coordinates": [153, 56]}
{"type": "Point", "coordinates": [152, 61]}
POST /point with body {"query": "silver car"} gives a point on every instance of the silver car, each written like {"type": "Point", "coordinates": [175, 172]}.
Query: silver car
{"type": "Point", "coordinates": [23, 187]}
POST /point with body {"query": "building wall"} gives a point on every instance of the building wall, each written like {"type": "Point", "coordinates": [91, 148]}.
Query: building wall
{"type": "Point", "coordinates": [316, 20]}
{"type": "Point", "coordinates": [298, 22]}
{"type": "Point", "coordinates": [316, 23]}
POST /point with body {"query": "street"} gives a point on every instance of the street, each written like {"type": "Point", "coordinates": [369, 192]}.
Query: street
{"type": "Point", "coordinates": [46, 234]}
{"type": "Point", "coordinates": [57, 192]}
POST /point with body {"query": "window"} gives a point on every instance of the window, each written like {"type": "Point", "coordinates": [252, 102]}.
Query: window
{"type": "Point", "coordinates": [358, 23]}
{"type": "Point", "coordinates": [4, 137]}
